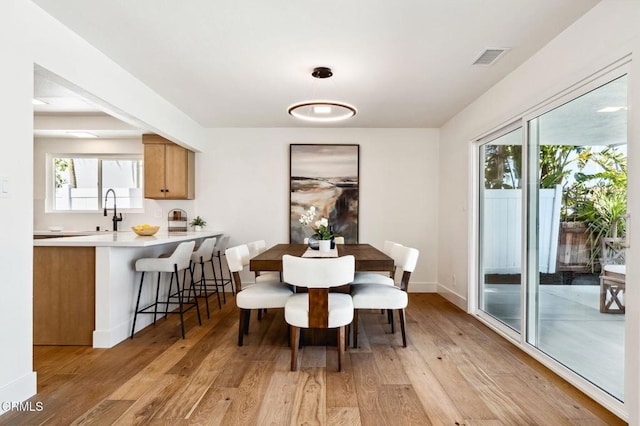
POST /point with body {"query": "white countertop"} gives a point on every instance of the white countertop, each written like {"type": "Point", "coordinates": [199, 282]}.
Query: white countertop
{"type": "Point", "coordinates": [124, 239]}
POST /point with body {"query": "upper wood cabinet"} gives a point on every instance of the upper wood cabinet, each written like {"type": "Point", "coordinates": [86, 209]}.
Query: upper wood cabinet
{"type": "Point", "coordinates": [168, 170]}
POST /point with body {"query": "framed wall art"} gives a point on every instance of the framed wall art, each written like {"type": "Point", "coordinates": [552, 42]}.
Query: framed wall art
{"type": "Point", "coordinates": [327, 177]}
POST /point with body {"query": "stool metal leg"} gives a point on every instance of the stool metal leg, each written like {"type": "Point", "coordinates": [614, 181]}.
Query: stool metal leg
{"type": "Point", "coordinates": [222, 279]}
{"type": "Point", "coordinates": [203, 287]}
{"type": "Point", "coordinates": [135, 314]}
{"type": "Point", "coordinates": [215, 281]}
{"type": "Point", "coordinates": [195, 297]}
{"type": "Point", "coordinates": [155, 309]}
{"type": "Point", "coordinates": [181, 310]}
{"type": "Point", "coordinates": [169, 295]}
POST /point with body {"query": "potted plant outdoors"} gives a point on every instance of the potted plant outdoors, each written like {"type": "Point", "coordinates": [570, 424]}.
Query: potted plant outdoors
{"type": "Point", "coordinates": [198, 223]}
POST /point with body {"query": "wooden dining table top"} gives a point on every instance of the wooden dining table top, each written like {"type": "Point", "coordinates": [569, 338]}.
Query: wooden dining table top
{"type": "Point", "coordinates": [368, 258]}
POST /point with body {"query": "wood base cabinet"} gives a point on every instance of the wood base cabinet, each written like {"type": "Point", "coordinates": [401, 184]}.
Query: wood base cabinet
{"type": "Point", "coordinates": [63, 295]}
{"type": "Point", "coordinates": [169, 169]}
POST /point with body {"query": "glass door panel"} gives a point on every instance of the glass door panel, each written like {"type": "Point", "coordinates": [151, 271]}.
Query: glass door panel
{"type": "Point", "coordinates": [576, 204]}
{"type": "Point", "coordinates": [501, 228]}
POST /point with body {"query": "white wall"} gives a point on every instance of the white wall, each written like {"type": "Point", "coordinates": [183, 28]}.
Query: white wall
{"type": "Point", "coordinates": [632, 313]}
{"type": "Point", "coordinates": [155, 211]}
{"type": "Point", "coordinates": [28, 36]}
{"type": "Point", "coordinates": [604, 35]}
{"type": "Point", "coordinates": [243, 186]}
{"type": "Point", "coordinates": [17, 379]}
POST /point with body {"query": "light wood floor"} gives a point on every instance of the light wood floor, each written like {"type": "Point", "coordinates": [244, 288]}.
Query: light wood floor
{"type": "Point", "coordinates": [455, 371]}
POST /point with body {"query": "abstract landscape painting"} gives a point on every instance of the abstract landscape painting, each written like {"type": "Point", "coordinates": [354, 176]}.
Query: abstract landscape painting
{"type": "Point", "coordinates": [327, 177]}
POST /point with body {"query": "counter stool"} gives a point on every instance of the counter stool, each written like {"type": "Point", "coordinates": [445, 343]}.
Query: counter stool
{"type": "Point", "coordinates": [178, 261]}
{"type": "Point", "coordinates": [219, 251]}
{"type": "Point", "coordinates": [201, 256]}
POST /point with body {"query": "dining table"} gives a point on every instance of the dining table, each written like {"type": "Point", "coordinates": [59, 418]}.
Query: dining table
{"type": "Point", "coordinates": [367, 258]}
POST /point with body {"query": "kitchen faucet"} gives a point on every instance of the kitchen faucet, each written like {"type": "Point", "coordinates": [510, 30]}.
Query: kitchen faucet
{"type": "Point", "coordinates": [115, 219]}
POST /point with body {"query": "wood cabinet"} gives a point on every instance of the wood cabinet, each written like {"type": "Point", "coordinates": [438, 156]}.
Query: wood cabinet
{"type": "Point", "coordinates": [169, 169]}
{"type": "Point", "coordinates": [63, 295]}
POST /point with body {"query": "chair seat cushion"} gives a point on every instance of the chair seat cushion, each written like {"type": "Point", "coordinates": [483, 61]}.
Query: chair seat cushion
{"type": "Point", "coordinates": [378, 296]}
{"type": "Point", "coordinates": [155, 264]}
{"type": "Point", "coordinates": [371, 278]}
{"type": "Point", "coordinates": [296, 311]}
{"type": "Point", "coordinates": [263, 295]}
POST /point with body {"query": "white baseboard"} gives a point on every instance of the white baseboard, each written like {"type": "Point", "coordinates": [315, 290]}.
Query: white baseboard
{"type": "Point", "coordinates": [453, 297]}
{"type": "Point", "coordinates": [17, 391]}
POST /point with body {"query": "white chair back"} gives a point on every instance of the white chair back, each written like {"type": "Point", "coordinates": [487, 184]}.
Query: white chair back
{"type": "Point", "coordinates": [318, 273]}
{"type": "Point", "coordinates": [205, 251]}
{"type": "Point", "coordinates": [182, 255]}
{"type": "Point", "coordinates": [222, 244]}
{"type": "Point", "coordinates": [405, 257]}
{"type": "Point", "coordinates": [257, 247]}
{"type": "Point", "coordinates": [237, 257]}
{"type": "Point", "coordinates": [387, 247]}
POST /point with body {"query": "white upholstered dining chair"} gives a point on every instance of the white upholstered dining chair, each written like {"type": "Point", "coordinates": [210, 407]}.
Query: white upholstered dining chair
{"type": "Point", "coordinates": [381, 296]}
{"type": "Point", "coordinates": [318, 308]}
{"type": "Point", "coordinates": [377, 277]}
{"type": "Point", "coordinates": [262, 295]}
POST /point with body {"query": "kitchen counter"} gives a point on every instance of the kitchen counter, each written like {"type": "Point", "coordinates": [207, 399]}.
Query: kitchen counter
{"type": "Point", "coordinates": [116, 239]}
{"type": "Point", "coordinates": [96, 271]}
{"type": "Point", "coordinates": [53, 234]}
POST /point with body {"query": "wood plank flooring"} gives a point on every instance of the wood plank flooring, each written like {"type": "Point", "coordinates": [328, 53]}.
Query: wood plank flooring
{"type": "Point", "coordinates": [455, 371]}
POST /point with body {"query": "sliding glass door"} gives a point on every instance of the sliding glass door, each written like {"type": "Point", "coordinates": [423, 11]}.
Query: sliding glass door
{"type": "Point", "coordinates": [501, 226]}
{"type": "Point", "coordinates": [551, 231]}
{"type": "Point", "coordinates": [578, 150]}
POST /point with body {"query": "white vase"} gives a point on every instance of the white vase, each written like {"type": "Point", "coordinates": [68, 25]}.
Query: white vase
{"type": "Point", "coordinates": [197, 228]}
{"type": "Point", "coordinates": [324, 245]}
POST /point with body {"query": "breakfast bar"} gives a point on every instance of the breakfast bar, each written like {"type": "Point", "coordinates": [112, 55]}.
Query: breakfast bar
{"type": "Point", "coordinates": [84, 286]}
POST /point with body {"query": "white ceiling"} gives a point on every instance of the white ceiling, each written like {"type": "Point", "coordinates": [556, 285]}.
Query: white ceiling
{"type": "Point", "coordinates": [405, 63]}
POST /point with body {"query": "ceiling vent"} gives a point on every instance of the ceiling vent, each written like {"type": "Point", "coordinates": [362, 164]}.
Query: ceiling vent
{"type": "Point", "coordinates": [489, 56]}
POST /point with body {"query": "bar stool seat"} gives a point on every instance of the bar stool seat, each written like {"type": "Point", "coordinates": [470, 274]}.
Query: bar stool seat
{"type": "Point", "coordinates": [179, 260]}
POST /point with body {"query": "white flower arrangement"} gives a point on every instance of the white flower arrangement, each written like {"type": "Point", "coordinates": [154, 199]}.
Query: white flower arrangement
{"type": "Point", "coordinates": [321, 227]}
{"type": "Point", "coordinates": [308, 216]}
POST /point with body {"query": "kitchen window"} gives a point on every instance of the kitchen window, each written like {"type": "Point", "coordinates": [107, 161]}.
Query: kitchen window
{"type": "Point", "coordinates": [80, 182]}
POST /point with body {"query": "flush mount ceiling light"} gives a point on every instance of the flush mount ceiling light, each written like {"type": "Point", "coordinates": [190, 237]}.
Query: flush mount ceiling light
{"type": "Point", "coordinates": [322, 111]}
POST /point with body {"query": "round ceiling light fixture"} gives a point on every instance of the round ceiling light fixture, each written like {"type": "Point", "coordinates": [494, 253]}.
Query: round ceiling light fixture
{"type": "Point", "coordinates": [322, 111]}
